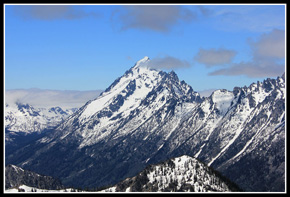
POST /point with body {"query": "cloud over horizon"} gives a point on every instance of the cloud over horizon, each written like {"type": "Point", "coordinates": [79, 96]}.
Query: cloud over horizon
{"type": "Point", "coordinates": [50, 98]}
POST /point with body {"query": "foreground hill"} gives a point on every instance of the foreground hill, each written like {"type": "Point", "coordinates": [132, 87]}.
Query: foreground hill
{"type": "Point", "coordinates": [180, 174]}
{"type": "Point", "coordinates": [16, 176]}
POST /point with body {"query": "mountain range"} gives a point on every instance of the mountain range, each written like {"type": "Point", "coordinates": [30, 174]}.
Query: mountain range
{"type": "Point", "coordinates": [179, 174]}
{"type": "Point", "coordinates": [147, 116]}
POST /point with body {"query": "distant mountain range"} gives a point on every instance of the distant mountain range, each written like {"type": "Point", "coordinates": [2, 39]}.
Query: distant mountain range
{"type": "Point", "coordinates": [147, 116]}
{"type": "Point", "coordinates": [25, 118]}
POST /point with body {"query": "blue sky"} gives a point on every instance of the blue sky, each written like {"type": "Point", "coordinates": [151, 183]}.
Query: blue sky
{"type": "Point", "coordinates": [86, 47]}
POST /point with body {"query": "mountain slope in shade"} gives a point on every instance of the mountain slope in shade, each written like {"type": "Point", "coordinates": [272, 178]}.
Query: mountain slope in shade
{"type": "Point", "coordinates": [180, 174]}
{"type": "Point", "coordinates": [147, 116]}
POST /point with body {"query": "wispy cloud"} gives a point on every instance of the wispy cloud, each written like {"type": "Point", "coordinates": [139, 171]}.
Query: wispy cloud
{"type": "Point", "coordinates": [252, 69]}
{"type": "Point", "coordinates": [51, 12]}
{"type": "Point", "coordinates": [215, 57]}
{"type": "Point", "coordinates": [268, 53]}
{"type": "Point", "coordinates": [151, 17]}
{"type": "Point", "coordinates": [168, 62]}
{"type": "Point", "coordinates": [205, 11]}
{"type": "Point", "coordinates": [50, 98]}
{"type": "Point", "coordinates": [253, 18]}
{"type": "Point", "coordinates": [271, 45]}
{"type": "Point", "coordinates": [206, 92]}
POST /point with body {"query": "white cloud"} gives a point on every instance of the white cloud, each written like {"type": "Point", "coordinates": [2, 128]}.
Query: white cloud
{"type": "Point", "coordinates": [151, 17]}
{"type": "Point", "coordinates": [51, 12]}
{"type": "Point", "coordinates": [268, 55]}
{"type": "Point", "coordinates": [167, 62]}
{"type": "Point", "coordinates": [252, 69]}
{"type": "Point", "coordinates": [214, 57]}
{"type": "Point", "coordinates": [271, 45]}
{"type": "Point", "coordinates": [253, 18]}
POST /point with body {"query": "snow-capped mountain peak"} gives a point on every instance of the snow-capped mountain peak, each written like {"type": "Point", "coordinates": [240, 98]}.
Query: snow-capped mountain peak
{"type": "Point", "coordinates": [142, 62]}
{"type": "Point", "coordinates": [129, 89]}
{"type": "Point", "coordinates": [141, 90]}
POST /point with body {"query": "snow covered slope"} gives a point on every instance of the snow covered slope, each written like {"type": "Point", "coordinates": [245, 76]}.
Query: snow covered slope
{"type": "Point", "coordinates": [147, 116]}
{"type": "Point", "coordinates": [180, 174]}
{"type": "Point", "coordinates": [29, 189]}
{"type": "Point", "coordinates": [21, 117]}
